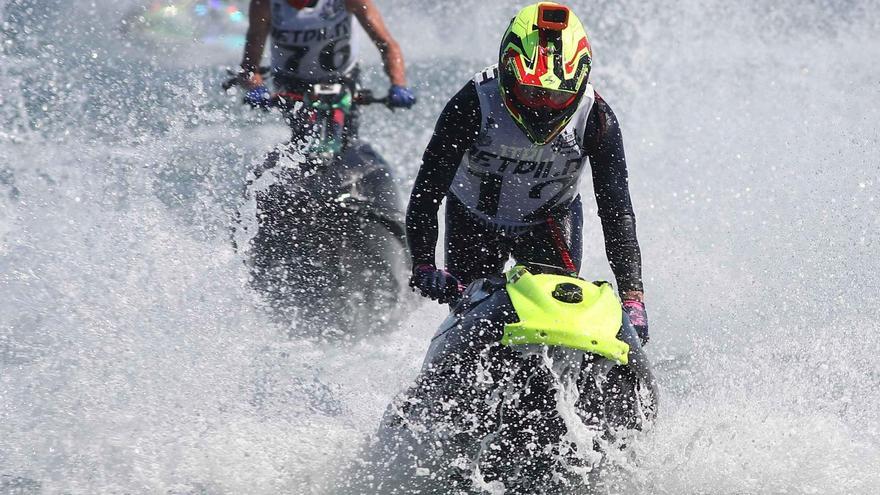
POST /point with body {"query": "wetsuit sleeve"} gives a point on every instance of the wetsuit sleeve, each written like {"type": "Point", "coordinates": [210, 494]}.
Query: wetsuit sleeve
{"type": "Point", "coordinates": [455, 132]}
{"type": "Point", "coordinates": [604, 144]}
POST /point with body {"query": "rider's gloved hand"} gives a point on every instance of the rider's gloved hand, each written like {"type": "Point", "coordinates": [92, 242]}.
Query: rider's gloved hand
{"type": "Point", "coordinates": [435, 283]}
{"type": "Point", "coordinates": [638, 317]}
{"type": "Point", "coordinates": [257, 97]}
{"type": "Point", "coordinates": [400, 97]}
{"type": "Point", "coordinates": [256, 94]}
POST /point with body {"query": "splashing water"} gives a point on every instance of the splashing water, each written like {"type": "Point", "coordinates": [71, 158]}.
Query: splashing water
{"type": "Point", "coordinates": [134, 358]}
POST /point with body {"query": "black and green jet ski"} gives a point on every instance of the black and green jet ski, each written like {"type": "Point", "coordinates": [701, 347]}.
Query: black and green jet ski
{"type": "Point", "coordinates": [527, 385]}
{"type": "Point", "coordinates": [322, 224]}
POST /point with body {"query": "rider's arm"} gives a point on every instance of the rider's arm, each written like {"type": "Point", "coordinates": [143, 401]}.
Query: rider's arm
{"type": "Point", "coordinates": [604, 144]}
{"type": "Point", "coordinates": [455, 132]}
{"type": "Point", "coordinates": [368, 15]}
{"type": "Point", "coordinates": [259, 23]}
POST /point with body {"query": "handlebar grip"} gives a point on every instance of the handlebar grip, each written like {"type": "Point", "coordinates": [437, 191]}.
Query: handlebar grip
{"type": "Point", "coordinates": [365, 97]}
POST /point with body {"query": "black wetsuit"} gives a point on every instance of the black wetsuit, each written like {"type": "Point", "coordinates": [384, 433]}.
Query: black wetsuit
{"type": "Point", "coordinates": [474, 251]}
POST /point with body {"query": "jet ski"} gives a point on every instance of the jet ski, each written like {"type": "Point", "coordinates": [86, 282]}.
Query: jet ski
{"type": "Point", "coordinates": [322, 223]}
{"type": "Point", "coordinates": [532, 379]}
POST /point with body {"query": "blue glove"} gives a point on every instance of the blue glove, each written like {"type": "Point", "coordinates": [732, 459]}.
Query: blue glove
{"type": "Point", "coordinates": [400, 97]}
{"type": "Point", "coordinates": [258, 97]}
{"type": "Point", "coordinates": [638, 317]}
{"type": "Point", "coordinates": [435, 283]}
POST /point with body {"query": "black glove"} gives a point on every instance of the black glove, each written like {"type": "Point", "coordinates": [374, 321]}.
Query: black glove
{"type": "Point", "coordinates": [638, 317]}
{"type": "Point", "coordinates": [435, 283]}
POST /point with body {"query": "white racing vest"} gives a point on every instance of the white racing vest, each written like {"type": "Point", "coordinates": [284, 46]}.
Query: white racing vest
{"type": "Point", "coordinates": [506, 180]}
{"type": "Point", "coordinates": [315, 44]}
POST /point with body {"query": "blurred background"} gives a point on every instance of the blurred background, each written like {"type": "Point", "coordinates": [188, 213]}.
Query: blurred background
{"type": "Point", "coordinates": [135, 359]}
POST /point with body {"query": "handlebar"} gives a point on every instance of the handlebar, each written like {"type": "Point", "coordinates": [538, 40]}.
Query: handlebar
{"type": "Point", "coordinates": [285, 100]}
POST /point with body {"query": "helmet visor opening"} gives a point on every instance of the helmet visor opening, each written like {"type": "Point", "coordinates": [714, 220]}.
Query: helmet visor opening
{"type": "Point", "coordinates": [537, 97]}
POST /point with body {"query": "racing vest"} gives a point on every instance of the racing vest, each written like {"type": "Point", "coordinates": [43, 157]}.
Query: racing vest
{"type": "Point", "coordinates": [314, 44]}
{"type": "Point", "coordinates": [509, 182]}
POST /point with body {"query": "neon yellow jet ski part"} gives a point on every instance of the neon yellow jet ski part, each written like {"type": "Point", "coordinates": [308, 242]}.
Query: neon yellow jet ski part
{"type": "Point", "coordinates": [589, 324]}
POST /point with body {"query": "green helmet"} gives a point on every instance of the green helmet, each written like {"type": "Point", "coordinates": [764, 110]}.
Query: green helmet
{"type": "Point", "coordinates": [544, 64]}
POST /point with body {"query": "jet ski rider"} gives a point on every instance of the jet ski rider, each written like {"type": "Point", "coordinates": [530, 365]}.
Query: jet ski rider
{"type": "Point", "coordinates": [507, 154]}
{"type": "Point", "coordinates": [313, 42]}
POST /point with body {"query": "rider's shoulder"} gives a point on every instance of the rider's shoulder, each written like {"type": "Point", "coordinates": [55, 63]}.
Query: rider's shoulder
{"type": "Point", "coordinates": [466, 96]}
{"type": "Point", "coordinates": [601, 108]}
{"type": "Point", "coordinates": [600, 122]}
{"type": "Point", "coordinates": [462, 111]}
